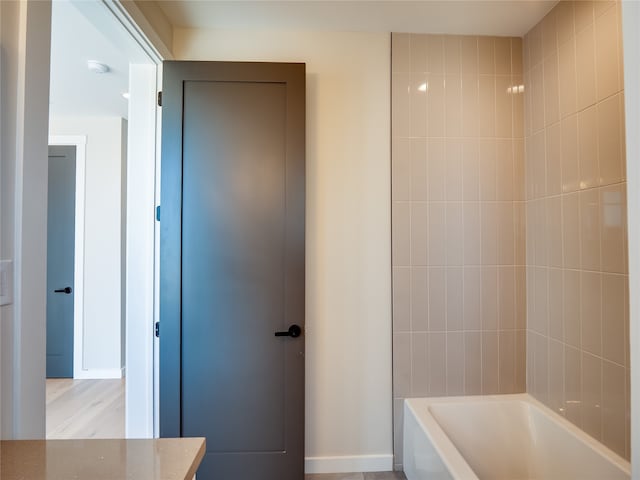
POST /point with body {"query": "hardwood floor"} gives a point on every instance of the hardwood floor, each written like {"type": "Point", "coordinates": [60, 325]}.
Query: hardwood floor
{"type": "Point", "coordinates": [85, 408]}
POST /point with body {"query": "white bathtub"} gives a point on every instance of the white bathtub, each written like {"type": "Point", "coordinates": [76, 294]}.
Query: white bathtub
{"type": "Point", "coordinates": [504, 437]}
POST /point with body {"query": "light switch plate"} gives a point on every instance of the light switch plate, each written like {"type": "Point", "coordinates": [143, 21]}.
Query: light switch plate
{"type": "Point", "coordinates": [6, 282]}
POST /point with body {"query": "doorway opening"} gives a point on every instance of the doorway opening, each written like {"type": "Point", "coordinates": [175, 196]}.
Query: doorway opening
{"type": "Point", "coordinates": [103, 82]}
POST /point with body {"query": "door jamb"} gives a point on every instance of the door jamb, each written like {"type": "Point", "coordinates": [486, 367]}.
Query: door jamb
{"type": "Point", "coordinates": [80, 142]}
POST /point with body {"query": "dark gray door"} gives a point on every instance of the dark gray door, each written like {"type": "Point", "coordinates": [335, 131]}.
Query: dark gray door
{"type": "Point", "coordinates": [60, 264]}
{"type": "Point", "coordinates": [232, 266]}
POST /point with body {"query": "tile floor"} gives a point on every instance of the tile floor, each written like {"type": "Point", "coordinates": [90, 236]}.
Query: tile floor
{"type": "Point", "coordinates": [358, 476]}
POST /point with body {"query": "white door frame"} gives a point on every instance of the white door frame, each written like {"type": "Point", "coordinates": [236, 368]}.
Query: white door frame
{"type": "Point", "coordinates": [80, 142]}
{"type": "Point", "coordinates": [143, 172]}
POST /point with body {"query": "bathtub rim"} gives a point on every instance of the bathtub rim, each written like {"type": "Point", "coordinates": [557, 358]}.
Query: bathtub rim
{"type": "Point", "coordinates": [453, 459]}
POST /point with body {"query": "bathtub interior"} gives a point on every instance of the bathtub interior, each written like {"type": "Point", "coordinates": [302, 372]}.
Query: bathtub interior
{"type": "Point", "coordinates": [512, 437]}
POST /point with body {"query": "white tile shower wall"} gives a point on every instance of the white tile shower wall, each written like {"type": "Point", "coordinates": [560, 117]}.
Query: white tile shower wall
{"type": "Point", "coordinates": [458, 218]}
{"type": "Point", "coordinates": [576, 250]}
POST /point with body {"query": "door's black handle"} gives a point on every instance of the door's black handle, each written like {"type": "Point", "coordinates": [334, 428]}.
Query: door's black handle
{"type": "Point", "coordinates": [65, 290]}
{"type": "Point", "coordinates": [294, 331]}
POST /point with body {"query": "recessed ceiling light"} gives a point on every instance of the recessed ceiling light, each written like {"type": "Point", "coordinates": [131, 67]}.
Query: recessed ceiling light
{"type": "Point", "coordinates": [97, 67]}
{"type": "Point", "coordinates": [126, 95]}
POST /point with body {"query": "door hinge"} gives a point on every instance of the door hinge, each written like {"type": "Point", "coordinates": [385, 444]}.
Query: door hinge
{"type": "Point", "coordinates": [158, 213]}
{"type": "Point", "coordinates": [157, 329]}
{"type": "Point", "coordinates": [159, 99]}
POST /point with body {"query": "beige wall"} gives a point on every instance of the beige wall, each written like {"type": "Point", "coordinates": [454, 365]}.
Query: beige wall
{"type": "Point", "coordinates": [458, 218]}
{"type": "Point", "coordinates": [577, 282]}
{"type": "Point", "coordinates": [348, 264]}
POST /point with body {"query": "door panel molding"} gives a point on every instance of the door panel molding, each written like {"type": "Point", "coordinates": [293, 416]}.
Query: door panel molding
{"type": "Point", "coordinates": [80, 142]}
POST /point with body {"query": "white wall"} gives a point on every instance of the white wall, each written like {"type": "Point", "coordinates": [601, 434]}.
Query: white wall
{"type": "Point", "coordinates": [631, 40]}
{"type": "Point", "coordinates": [104, 209]}
{"type": "Point", "coordinates": [25, 38]}
{"type": "Point", "coordinates": [348, 314]}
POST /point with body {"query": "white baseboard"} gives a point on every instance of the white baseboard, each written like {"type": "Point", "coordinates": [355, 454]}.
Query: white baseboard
{"type": "Point", "coordinates": [99, 374]}
{"type": "Point", "coordinates": [344, 464]}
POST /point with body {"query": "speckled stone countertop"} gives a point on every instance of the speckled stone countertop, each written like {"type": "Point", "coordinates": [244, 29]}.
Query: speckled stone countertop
{"type": "Point", "coordinates": [157, 459]}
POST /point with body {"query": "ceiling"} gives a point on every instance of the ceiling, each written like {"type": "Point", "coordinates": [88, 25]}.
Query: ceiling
{"type": "Point", "coordinates": [74, 89]}
{"type": "Point", "coordinates": [479, 17]}
{"type": "Point", "coordinates": [75, 39]}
